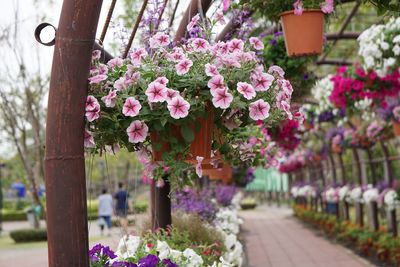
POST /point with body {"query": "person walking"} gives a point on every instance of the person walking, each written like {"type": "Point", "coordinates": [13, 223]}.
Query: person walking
{"type": "Point", "coordinates": [105, 211]}
{"type": "Point", "coordinates": [122, 206]}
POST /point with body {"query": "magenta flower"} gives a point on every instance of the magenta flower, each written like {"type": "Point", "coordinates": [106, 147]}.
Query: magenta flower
{"type": "Point", "coordinates": [178, 107]}
{"type": "Point", "coordinates": [163, 80]}
{"type": "Point", "coordinates": [183, 66]}
{"type": "Point", "coordinates": [89, 140]}
{"type": "Point", "coordinates": [199, 44]}
{"type": "Point", "coordinates": [286, 87]}
{"type": "Point", "coordinates": [199, 170]}
{"type": "Point", "coordinates": [327, 7]}
{"type": "Point", "coordinates": [215, 83]}
{"type": "Point", "coordinates": [137, 131]}
{"type": "Point", "coordinates": [211, 70]}
{"type": "Point", "coordinates": [156, 92]}
{"type": "Point", "coordinates": [219, 16]}
{"type": "Point", "coordinates": [246, 90]}
{"type": "Point", "coordinates": [176, 55]}
{"type": "Point", "coordinates": [131, 107]}
{"type": "Point", "coordinates": [278, 70]}
{"type": "Point", "coordinates": [262, 81]}
{"type": "Point", "coordinates": [259, 110]}
{"type": "Point", "coordinates": [110, 99]}
{"type": "Point", "coordinates": [226, 4]}
{"type": "Point", "coordinates": [91, 103]}
{"type": "Point", "coordinates": [94, 113]}
{"type": "Point", "coordinates": [235, 45]}
{"type": "Point", "coordinates": [97, 79]}
{"type": "Point", "coordinates": [221, 98]}
{"type": "Point", "coordinates": [137, 55]}
{"type": "Point", "coordinates": [159, 40]}
{"type": "Point", "coordinates": [298, 7]}
{"type": "Point", "coordinates": [115, 62]}
{"type": "Point", "coordinates": [171, 94]}
{"type": "Point", "coordinates": [256, 43]}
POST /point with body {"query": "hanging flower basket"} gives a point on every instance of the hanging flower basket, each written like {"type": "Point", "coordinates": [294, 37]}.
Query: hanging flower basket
{"type": "Point", "coordinates": [303, 33]}
{"type": "Point", "coordinates": [224, 174]}
{"type": "Point", "coordinates": [396, 127]}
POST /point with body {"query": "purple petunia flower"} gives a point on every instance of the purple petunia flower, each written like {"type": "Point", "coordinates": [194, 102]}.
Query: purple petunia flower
{"type": "Point", "coordinates": [149, 261]}
{"type": "Point", "coordinates": [123, 264]}
{"type": "Point", "coordinates": [169, 263]}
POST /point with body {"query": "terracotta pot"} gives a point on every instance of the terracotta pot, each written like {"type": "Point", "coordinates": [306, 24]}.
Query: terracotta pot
{"type": "Point", "coordinates": [396, 127]}
{"type": "Point", "coordinates": [224, 173]}
{"type": "Point", "coordinates": [201, 145]}
{"type": "Point", "coordinates": [304, 33]}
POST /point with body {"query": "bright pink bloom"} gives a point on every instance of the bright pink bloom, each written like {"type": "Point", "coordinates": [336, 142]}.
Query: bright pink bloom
{"type": "Point", "coordinates": [298, 7]}
{"type": "Point", "coordinates": [259, 110]}
{"type": "Point", "coordinates": [256, 43]}
{"type": "Point", "coordinates": [199, 170]}
{"type": "Point", "coordinates": [178, 107]}
{"type": "Point", "coordinates": [176, 55]}
{"type": "Point", "coordinates": [115, 62]}
{"type": "Point", "coordinates": [89, 140]}
{"type": "Point", "coordinates": [137, 55]}
{"type": "Point", "coordinates": [262, 81]}
{"type": "Point", "coordinates": [110, 99]}
{"type": "Point", "coordinates": [219, 16]}
{"type": "Point", "coordinates": [183, 66]}
{"type": "Point", "coordinates": [156, 92]}
{"type": "Point", "coordinates": [215, 83]}
{"type": "Point", "coordinates": [222, 98]}
{"type": "Point", "coordinates": [94, 113]}
{"type": "Point", "coordinates": [199, 44]}
{"type": "Point", "coordinates": [226, 4]}
{"type": "Point", "coordinates": [171, 94]}
{"type": "Point", "coordinates": [235, 45]}
{"type": "Point", "coordinates": [327, 7]}
{"type": "Point", "coordinates": [278, 70]}
{"type": "Point", "coordinates": [91, 103]}
{"type": "Point", "coordinates": [159, 40]}
{"type": "Point", "coordinates": [163, 80]}
{"type": "Point", "coordinates": [286, 87]}
{"type": "Point", "coordinates": [97, 79]}
{"type": "Point", "coordinates": [211, 70]}
{"type": "Point", "coordinates": [137, 131]}
{"type": "Point", "coordinates": [131, 107]}
{"type": "Point", "coordinates": [246, 90]}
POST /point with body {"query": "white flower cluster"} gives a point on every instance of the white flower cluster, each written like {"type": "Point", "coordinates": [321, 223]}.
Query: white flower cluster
{"type": "Point", "coordinates": [321, 92]}
{"type": "Point", "coordinates": [380, 47]}
{"type": "Point", "coordinates": [370, 195]}
{"type": "Point", "coordinates": [365, 108]}
{"type": "Point", "coordinates": [303, 191]}
{"type": "Point", "coordinates": [390, 199]}
{"type": "Point", "coordinates": [227, 222]}
{"type": "Point", "coordinates": [344, 193]}
{"type": "Point", "coordinates": [355, 195]}
{"type": "Point", "coordinates": [331, 195]}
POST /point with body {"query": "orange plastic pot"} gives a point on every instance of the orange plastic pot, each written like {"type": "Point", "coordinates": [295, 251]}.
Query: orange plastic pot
{"type": "Point", "coordinates": [201, 145]}
{"type": "Point", "coordinates": [396, 127]}
{"type": "Point", "coordinates": [303, 33]}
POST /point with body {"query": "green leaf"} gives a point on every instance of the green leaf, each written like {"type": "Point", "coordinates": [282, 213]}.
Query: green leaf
{"type": "Point", "coordinates": [187, 134]}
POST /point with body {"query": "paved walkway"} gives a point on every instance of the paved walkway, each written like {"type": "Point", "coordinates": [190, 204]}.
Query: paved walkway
{"type": "Point", "coordinates": [274, 238]}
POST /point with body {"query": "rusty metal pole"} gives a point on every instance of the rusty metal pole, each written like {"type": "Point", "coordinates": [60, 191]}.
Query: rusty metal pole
{"type": "Point", "coordinates": [64, 162]}
{"type": "Point", "coordinates": [388, 164]}
{"type": "Point", "coordinates": [332, 161]}
{"type": "Point", "coordinates": [342, 168]}
{"type": "Point", "coordinates": [357, 162]}
{"type": "Point", "coordinates": [161, 205]}
{"type": "Point", "coordinates": [371, 165]}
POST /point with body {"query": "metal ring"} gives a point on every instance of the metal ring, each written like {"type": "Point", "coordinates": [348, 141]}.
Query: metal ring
{"type": "Point", "coordinates": [38, 31]}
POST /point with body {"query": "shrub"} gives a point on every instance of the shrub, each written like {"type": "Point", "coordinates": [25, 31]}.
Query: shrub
{"type": "Point", "coordinates": [140, 206]}
{"type": "Point", "coordinates": [29, 235]}
{"type": "Point", "coordinates": [13, 215]}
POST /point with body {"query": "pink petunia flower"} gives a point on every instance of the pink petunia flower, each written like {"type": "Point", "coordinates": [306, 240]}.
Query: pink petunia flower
{"type": "Point", "coordinates": [156, 92]}
{"type": "Point", "coordinates": [256, 43]}
{"type": "Point", "coordinates": [183, 66]}
{"type": "Point", "coordinates": [97, 79]}
{"type": "Point", "coordinates": [176, 55]}
{"type": "Point", "coordinates": [159, 40]}
{"type": "Point", "coordinates": [115, 62]}
{"type": "Point", "coordinates": [298, 7]}
{"type": "Point", "coordinates": [96, 54]}
{"type": "Point", "coordinates": [89, 140]}
{"type": "Point", "coordinates": [278, 70]}
{"type": "Point", "coordinates": [193, 22]}
{"type": "Point", "coordinates": [222, 98]}
{"type": "Point", "coordinates": [171, 94]}
{"type": "Point", "coordinates": [137, 55]}
{"type": "Point", "coordinates": [215, 83]}
{"type": "Point", "coordinates": [327, 7]}
{"type": "Point", "coordinates": [94, 113]}
{"type": "Point", "coordinates": [163, 80]}
{"type": "Point", "coordinates": [91, 103]}
{"type": "Point", "coordinates": [219, 17]}
{"type": "Point", "coordinates": [226, 4]}
{"type": "Point", "coordinates": [262, 81]}
{"type": "Point", "coordinates": [235, 45]}
{"type": "Point", "coordinates": [178, 107]}
{"type": "Point", "coordinates": [160, 183]}
{"type": "Point", "coordinates": [199, 170]}
{"type": "Point", "coordinates": [259, 110]}
{"type": "Point", "coordinates": [137, 131]}
{"type": "Point", "coordinates": [110, 99]}
{"type": "Point", "coordinates": [131, 107]}
{"type": "Point", "coordinates": [119, 84]}
{"type": "Point", "coordinates": [286, 87]}
{"type": "Point", "coordinates": [211, 70]}
{"type": "Point", "coordinates": [246, 90]}
{"type": "Point", "coordinates": [199, 44]}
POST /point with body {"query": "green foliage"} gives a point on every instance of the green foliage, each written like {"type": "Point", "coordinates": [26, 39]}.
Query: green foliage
{"type": "Point", "coordinates": [13, 215]}
{"type": "Point", "coordinates": [29, 235]}
{"type": "Point", "coordinates": [140, 206]}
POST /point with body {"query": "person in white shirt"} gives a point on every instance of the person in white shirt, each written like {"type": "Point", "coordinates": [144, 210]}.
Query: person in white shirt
{"type": "Point", "coordinates": [105, 209]}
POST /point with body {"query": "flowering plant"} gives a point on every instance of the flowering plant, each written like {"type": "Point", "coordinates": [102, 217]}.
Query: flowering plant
{"type": "Point", "coordinates": [380, 47]}
{"type": "Point", "coordinates": [331, 195]}
{"type": "Point", "coordinates": [272, 9]}
{"type": "Point", "coordinates": [356, 194]}
{"type": "Point", "coordinates": [292, 162]}
{"type": "Point", "coordinates": [167, 90]}
{"type": "Point", "coordinates": [370, 195]}
{"type": "Point", "coordinates": [287, 134]}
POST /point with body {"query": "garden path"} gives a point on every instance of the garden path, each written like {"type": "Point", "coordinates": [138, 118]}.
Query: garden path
{"type": "Point", "coordinates": [274, 238]}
